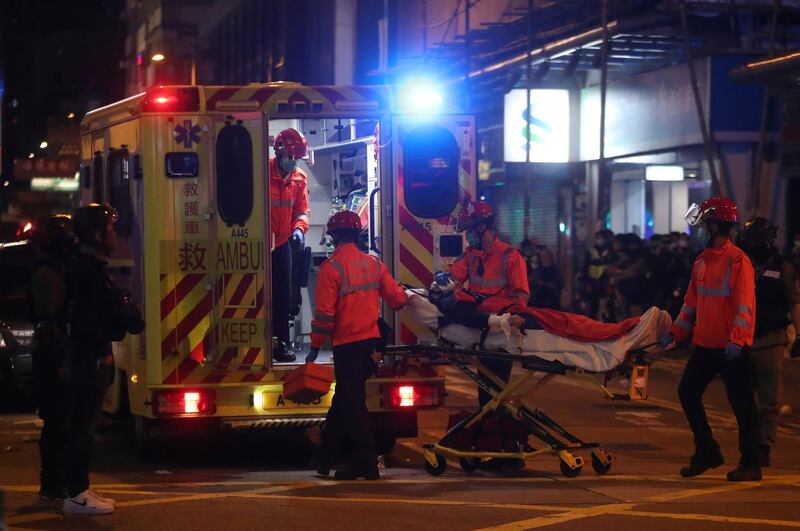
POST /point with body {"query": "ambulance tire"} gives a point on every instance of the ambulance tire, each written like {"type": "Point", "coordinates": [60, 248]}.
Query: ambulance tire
{"type": "Point", "coordinates": [144, 441]}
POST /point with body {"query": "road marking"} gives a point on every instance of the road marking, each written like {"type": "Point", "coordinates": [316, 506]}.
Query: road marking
{"type": "Point", "coordinates": [36, 517]}
{"type": "Point", "coordinates": [709, 518]}
{"type": "Point", "coordinates": [420, 501]}
{"type": "Point", "coordinates": [553, 519]}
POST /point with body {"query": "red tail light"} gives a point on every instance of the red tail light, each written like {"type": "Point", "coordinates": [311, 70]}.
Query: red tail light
{"type": "Point", "coordinates": [184, 403]}
{"type": "Point", "coordinates": [416, 395]}
{"type": "Point", "coordinates": [171, 99]}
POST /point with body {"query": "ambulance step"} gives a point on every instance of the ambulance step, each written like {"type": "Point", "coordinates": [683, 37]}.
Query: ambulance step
{"type": "Point", "coordinates": [246, 424]}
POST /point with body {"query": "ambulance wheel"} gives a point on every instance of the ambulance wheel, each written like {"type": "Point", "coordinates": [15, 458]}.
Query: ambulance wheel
{"type": "Point", "coordinates": [438, 470]}
{"type": "Point", "coordinates": [600, 467]}
{"type": "Point", "coordinates": [570, 472]}
{"type": "Point", "coordinates": [469, 464]}
{"type": "Point", "coordinates": [143, 439]}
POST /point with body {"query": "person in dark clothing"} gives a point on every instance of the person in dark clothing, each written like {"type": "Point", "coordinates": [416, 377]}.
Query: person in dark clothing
{"type": "Point", "coordinates": [777, 297]}
{"type": "Point", "coordinates": [547, 282]}
{"type": "Point", "coordinates": [55, 242]}
{"type": "Point", "coordinates": [97, 314]}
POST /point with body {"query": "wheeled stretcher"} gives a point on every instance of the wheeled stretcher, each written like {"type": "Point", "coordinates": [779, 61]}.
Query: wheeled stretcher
{"type": "Point", "coordinates": [543, 356]}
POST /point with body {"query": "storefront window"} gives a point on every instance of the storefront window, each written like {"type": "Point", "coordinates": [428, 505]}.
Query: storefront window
{"type": "Point", "coordinates": [430, 162]}
{"type": "Point", "coordinates": [234, 174]}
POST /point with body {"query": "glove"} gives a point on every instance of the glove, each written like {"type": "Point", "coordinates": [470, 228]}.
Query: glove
{"type": "Point", "coordinates": [501, 321]}
{"type": "Point", "coordinates": [312, 355]}
{"type": "Point", "coordinates": [795, 352]}
{"type": "Point", "coordinates": [298, 239]}
{"type": "Point", "coordinates": [732, 352]}
{"type": "Point", "coordinates": [665, 340]}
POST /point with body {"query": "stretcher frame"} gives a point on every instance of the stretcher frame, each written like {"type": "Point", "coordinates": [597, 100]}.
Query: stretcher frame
{"type": "Point", "coordinates": [556, 439]}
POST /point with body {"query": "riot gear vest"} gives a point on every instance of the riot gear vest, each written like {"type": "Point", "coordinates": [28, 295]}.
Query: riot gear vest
{"type": "Point", "coordinates": [772, 303]}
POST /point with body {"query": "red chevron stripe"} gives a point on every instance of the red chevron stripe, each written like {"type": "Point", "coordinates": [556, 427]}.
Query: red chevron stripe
{"type": "Point", "coordinates": [407, 337]}
{"type": "Point", "coordinates": [185, 285]}
{"type": "Point", "coordinates": [221, 95]}
{"type": "Point", "coordinates": [247, 362]}
{"type": "Point", "coordinates": [416, 268]}
{"type": "Point", "coordinates": [187, 324]}
{"type": "Point", "coordinates": [221, 370]}
{"type": "Point", "coordinates": [238, 295]}
{"type": "Point", "coordinates": [185, 367]}
{"type": "Point", "coordinates": [409, 223]}
{"type": "Point", "coordinates": [252, 313]}
{"type": "Point", "coordinates": [262, 95]}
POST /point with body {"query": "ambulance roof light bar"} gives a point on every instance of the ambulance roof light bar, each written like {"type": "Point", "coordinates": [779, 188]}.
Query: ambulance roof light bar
{"type": "Point", "coordinates": [171, 99]}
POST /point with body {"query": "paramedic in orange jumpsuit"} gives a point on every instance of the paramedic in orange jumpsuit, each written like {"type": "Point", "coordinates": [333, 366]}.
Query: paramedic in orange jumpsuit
{"type": "Point", "coordinates": [492, 269]}
{"type": "Point", "coordinates": [718, 313]}
{"type": "Point", "coordinates": [349, 288]}
{"type": "Point", "coordinates": [289, 212]}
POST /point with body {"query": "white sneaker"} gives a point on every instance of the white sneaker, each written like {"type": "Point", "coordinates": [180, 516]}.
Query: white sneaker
{"type": "Point", "coordinates": [85, 503]}
{"type": "Point", "coordinates": [103, 499]}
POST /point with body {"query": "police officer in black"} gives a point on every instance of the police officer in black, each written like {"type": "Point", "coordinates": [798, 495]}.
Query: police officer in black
{"type": "Point", "coordinates": [777, 298]}
{"type": "Point", "coordinates": [54, 241]}
{"type": "Point", "coordinates": [97, 313]}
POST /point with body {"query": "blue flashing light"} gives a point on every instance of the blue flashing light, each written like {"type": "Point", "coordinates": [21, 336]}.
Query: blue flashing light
{"type": "Point", "coordinates": [420, 96]}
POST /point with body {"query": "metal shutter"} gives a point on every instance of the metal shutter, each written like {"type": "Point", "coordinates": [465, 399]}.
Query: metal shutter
{"type": "Point", "coordinates": [509, 202]}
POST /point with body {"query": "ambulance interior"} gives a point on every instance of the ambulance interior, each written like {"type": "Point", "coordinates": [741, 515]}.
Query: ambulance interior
{"type": "Point", "coordinates": [342, 172]}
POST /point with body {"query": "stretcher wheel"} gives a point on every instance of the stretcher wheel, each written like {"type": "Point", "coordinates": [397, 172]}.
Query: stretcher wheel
{"type": "Point", "coordinates": [599, 466]}
{"type": "Point", "coordinates": [438, 470]}
{"type": "Point", "coordinates": [570, 472]}
{"type": "Point", "coordinates": [469, 464]}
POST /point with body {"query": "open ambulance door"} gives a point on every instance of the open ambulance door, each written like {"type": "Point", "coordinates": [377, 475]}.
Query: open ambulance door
{"type": "Point", "coordinates": [432, 174]}
{"type": "Point", "coordinates": [215, 326]}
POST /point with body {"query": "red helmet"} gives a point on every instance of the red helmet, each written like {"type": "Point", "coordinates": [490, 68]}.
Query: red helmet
{"type": "Point", "coordinates": [713, 208]}
{"type": "Point", "coordinates": [473, 213]}
{"type": "Point", "coordinates": [291, 142]}
{"type": "Point", "coordinates": [344, 220]}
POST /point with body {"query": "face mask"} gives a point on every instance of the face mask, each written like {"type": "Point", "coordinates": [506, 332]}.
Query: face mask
{"type": "Point", "coordinates": [287, 165]}
{"type": "Point", "coordinates": [474, 240]}
{"type": "Point", "coordinates": [600, 243]}
{"type": "Point", "coordinates": [703, 235]}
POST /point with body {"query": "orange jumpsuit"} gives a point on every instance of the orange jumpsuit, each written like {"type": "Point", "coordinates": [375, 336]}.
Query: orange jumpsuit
{"type": "Point", "coordinates": [499, 272]}
{"type": "Point", "coordinates": [288, 203]}
{"type": "Point", "coordinates": [349, 286]}
{"type": "Point", "coordinates": [720, 303]}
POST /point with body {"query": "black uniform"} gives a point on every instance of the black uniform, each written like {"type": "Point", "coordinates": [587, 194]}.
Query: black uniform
{"type": "Point", "coordinates": [97, 314]}
{"type": "Point", "coordinates": [776, 292]}
{"type": "Point", "coordinates": [47, 295]}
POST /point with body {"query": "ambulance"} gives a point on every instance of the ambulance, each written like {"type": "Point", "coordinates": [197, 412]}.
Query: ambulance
{"type": "Point", "coordinates": [186, 167]}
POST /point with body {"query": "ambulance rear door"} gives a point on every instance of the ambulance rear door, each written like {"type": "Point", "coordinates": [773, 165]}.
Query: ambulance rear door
{"type": "Point", "coordinates": [433, 173]}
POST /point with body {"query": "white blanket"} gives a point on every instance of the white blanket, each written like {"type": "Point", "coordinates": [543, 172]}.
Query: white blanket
{"type": "Point", "coordinates": [596, 357]}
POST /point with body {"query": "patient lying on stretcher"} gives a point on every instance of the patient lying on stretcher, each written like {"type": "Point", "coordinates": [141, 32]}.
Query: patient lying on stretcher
{"type": "Point", "coordinates": [574, 340]}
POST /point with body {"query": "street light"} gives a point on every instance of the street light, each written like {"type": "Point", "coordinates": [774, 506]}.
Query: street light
{"type": "Point", "coordinates": [31, 155]}
{"type": "Point", "coordinates": [43, 144]}
{"type": "Point", "coordinates": [70, 116]}
{"type": "Point", "coordinates": [157, 57]}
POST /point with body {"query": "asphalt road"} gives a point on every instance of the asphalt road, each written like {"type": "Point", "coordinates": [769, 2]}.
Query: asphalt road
{"type": "Point", "coordinates": [259, 482]}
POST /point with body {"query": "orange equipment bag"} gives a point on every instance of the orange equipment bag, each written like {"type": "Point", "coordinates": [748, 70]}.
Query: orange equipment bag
{"type": "Point", "coordinates": [307, 383]}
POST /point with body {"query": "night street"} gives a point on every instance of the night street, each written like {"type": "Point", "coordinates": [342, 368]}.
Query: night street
{"type": "Point", "coordinates": [247, 486]}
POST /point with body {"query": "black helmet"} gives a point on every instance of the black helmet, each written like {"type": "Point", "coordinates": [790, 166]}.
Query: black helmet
{"type": "Point", "coordinates": [758, 230]}
{"type": "Point", "coordinates": [53, 232]}
{"type": "Point", "coordinates": [92, 219]}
